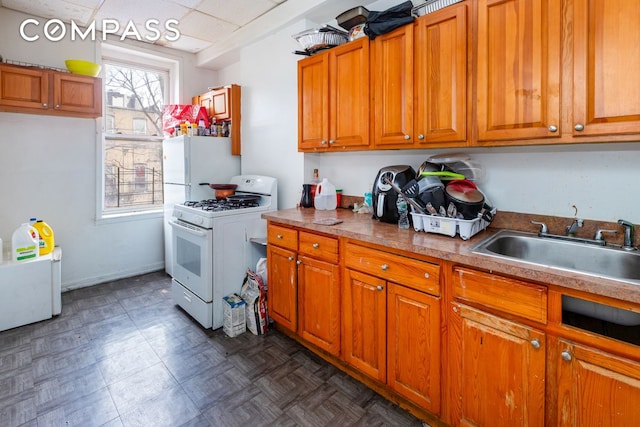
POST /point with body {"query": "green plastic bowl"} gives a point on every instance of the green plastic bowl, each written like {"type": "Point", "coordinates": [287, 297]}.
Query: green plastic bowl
{"type": "Point", "coordinates": [85, 68]}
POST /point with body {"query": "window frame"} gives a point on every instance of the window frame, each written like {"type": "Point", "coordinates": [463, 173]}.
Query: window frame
{"type": "Point", "coordinates": [135, 57]}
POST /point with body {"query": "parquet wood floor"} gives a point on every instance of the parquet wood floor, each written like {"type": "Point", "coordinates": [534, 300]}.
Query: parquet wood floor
{"type": "Point", "coordinates": [122, 354]}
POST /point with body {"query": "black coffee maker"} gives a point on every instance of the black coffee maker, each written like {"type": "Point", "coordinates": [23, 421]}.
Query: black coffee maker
{"type": "Point", "coordinates": [384, 197]}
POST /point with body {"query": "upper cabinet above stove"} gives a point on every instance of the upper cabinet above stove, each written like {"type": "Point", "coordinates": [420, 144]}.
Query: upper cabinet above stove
{"type": "Point", "coordinates": [223, 104]}
{"type": "Point", "coordinates": [536, 72]}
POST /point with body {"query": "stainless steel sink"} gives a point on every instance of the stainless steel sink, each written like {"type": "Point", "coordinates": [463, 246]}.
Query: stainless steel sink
{"type": "Point", "coordinates": [602, 261]}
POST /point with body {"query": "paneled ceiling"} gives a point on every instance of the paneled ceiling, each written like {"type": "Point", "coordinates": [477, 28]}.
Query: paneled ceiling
{"type": "Point", "coordinates": [209, 28]}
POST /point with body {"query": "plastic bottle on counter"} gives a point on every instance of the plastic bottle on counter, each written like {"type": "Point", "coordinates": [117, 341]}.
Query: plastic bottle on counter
{"type": "Point", "coordinates": [45, 234]}
{"type": "Point", "coordinates": [403, 213]}
{"type": "Point", "coordinates": [25, 243]}
{"type": "Point", "coordinates": [325, 198]}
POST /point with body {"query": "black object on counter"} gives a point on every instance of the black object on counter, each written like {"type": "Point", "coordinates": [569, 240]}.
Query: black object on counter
{"type": "Point", "coordinates": [379, 23]}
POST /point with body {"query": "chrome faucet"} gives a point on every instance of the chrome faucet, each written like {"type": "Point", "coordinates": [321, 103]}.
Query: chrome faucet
{"type": "Point", "coordinates": [628, 235]}
{"type": "Point", "coordinates": [571, 229]}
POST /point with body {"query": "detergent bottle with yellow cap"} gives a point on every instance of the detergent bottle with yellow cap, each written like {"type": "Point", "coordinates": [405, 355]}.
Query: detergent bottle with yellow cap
{"type": "Point", "coordinates": [45, 232]}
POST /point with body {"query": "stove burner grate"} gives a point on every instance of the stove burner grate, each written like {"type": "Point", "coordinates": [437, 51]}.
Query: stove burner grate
{"type": "Point", "coordinates": [214, 205]}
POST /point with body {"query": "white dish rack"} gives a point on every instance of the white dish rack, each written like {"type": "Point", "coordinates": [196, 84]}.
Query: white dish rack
{"type": "Point", "coordinates": [466, 228]}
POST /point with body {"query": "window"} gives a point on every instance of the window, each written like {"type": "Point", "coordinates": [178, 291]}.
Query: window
{"type": "Point", "coordinates": [134, 93]}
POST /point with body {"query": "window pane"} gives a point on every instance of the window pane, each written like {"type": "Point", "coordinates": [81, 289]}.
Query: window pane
{"type": "Point", "coordinates": [134, 98]}
{"type": "Point", "coordinates": [133, 173]}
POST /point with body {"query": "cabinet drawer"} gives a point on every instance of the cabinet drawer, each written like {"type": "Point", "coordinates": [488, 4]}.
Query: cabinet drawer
{"type": "Point", "coordinates": [508, 295]}
{"type": "Point", "coordinates": [318, 246]}
{"type": "Point", "coordinates": [283, 237]}
{"type": "Point", "coordinates": [416, 274]}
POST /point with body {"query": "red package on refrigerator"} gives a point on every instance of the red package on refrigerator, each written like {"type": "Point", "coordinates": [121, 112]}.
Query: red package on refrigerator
{"type": "Point", "coordinates": [176, 114]}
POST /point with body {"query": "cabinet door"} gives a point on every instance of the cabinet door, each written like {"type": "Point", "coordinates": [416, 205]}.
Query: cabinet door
{"type": "Point", "coordinates": [77, 94]}
{"type": "Point", "coordinates": [349, 95]}
{"type": "Point", "coordinates": [23, 87]}
{"type": "Point", "coordinates": [204, 100]}
{"type": "Point", "coordinates": [596, 389]}
{"type": "Point", "coordinates": [282, 291]}
{"type": "Point", "coordinates": [313, 102]}
{"type": "Point", "coordinates": [221, 103]}
{"type": "Point", "coordinates": [518, 69]}
{"type": "Point", "coordinates": [392, 80]}
{"type": "Point", "coordinates": [413, 346]}
{"type": "Point", "coordinates": [441, 76]}
{"type": "Point", "coordinates": [606, 96]}
{"type": "Point", "coordinates": [497, 371]}
{"type": "Point", "coordinates": [364, 332]}
{"type": "Point", "coordinates": [319, 304]}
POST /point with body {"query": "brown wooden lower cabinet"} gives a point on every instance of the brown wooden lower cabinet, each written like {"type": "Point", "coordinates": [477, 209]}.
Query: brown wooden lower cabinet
{"type": "Point", "coordinates": [497, 370]}
{"type": "Point", "coordinates": [596, 388]}
{"type": "Point", "coordinates": [319, 303]}
{"type": "Point", "coordinates": [283, 286]}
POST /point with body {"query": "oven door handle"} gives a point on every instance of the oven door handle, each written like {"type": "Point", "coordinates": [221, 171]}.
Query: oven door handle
{"type": "Point", "coordinates": [198, 233]}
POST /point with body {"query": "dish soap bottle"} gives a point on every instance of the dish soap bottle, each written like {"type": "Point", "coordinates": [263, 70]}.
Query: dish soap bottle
{"type": "Point", "coordinates": [403, 213]}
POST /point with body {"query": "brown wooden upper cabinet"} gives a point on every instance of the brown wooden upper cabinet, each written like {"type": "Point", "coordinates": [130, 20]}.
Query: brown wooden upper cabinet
{"type": "Point", "coordinates": [223, 104]}
{"type": "Point", "coordinates": [39, 91]}
{"type": "Point", "coordinates": [606, 97]}
{"type": "Point", "coordinates": [333, 99]}
{"type": "Point", "coordinates": [482, 73]}
{"type": "Point", "coordinates": [518, 69]}
{"type": "Point", "coordinates": [419, 79]}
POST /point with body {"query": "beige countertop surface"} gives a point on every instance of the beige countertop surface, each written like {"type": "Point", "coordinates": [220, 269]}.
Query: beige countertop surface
{"type": "Point", "coordinates": [363, 227]}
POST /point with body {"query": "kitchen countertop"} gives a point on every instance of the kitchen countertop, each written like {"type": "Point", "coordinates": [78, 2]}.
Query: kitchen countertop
{"type": "Point", "coordinates": [363, 227]}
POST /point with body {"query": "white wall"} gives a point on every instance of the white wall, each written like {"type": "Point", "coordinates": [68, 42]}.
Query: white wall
{"type": "Point", "coordinates": [48, 169]}
{"type": "Point", "coordinates": [598, 179]}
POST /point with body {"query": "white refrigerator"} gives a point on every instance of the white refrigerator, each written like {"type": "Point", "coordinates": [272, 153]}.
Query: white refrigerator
{"type": "Point", "coordinates": [188, 162]}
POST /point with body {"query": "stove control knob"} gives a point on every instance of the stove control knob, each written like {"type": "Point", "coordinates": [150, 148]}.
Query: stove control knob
{"type": "Point", "coordinates": [177, 214]}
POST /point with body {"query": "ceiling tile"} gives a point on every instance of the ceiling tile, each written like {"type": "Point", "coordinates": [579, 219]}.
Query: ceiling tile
{"type": "Point", "coordinates": [205, 27]}
{"type": "Point", "coordinates": [239, 12]}
{"type": "Point", "coordinates": [63, 10]}
{"type": "Point", "coordinates": [185, 43]}
{"type": "Point", "coordinates": [139, 12]}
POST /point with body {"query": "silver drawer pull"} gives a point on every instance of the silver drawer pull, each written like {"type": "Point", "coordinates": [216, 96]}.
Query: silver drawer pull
{"type": "Point", "coordinates": [384, 267]}
{"type": "Point", "coordinates": [315, 245]}
{"type": "Point", "coordinates": [290, 258]}
{"type": "Point", "coordinates": [535, 343]}
{"type": "Point", "coordinates": [379, 287]}
{"type": "Point", "coordinates": [426, 275]}
{"type": "Point", "coordinates": [279, 236]}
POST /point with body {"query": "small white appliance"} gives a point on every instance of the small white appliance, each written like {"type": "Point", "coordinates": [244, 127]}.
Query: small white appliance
{"type": "Point", "coordinates": [215, 241]}
{"type": "Point", "coordinates": [30, 291]}
{"type": "Point", "coordinates": [188, 162]}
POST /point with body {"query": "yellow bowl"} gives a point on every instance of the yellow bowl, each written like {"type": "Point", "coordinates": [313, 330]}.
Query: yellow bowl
{"type": "Point", "coordinates": [86, 68]}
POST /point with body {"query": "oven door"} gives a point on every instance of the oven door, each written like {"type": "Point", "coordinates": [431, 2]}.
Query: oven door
{"type": "Point", "coordinates": [193, 258]}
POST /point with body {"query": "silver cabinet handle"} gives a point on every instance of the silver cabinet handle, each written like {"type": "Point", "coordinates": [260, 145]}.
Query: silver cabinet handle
{"type": "Point", "coordinates": [298, 262]}
{"type": "Point", "coordinates": [315, 245]}
{"type": "Point", "coordinates": [279, 236]}
{"type": "Point", "coordinates": [579, 127]}
{"type": "Point", "coordinates": [426, 275]}
{"type": "Point", "coordinates": [407, 137]}
{"type": "Point", "coordinates": [566, 355]}
{"type": "Point", "coordinates": [57, 105]}
{"type": "Point", "coordinates": [553, 128]}
{"type": "Point", "coordinates": [331, 142]}
{"type": "Point", "coordinates": [384, 267]}
{"type": "Point", "coordinates": [379, 287]}
{"type": "Point", "coordinates": [323, 142]}
{"type": "Point", "coordinates": [290, 258]}
{"type": "Point", "coordinates": [421, 136]}
{"type": "Point", "coordinates": [535, 343]}
{"type": "Point", "coordinates": [45, 105]}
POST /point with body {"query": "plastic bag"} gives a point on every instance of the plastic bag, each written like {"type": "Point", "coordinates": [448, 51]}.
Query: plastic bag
{"type": "Point", "coordinates": [379, 23]}
{"type": "Point", "coordinates": [261, 269]}
{"type": "Point", "coordinates": [255, 295]}
{"type": "Point", "coordinates": [176, 114]}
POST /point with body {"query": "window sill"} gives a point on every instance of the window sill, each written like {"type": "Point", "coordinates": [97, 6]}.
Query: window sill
{"type": "Point", "coordinates": [116, 217]}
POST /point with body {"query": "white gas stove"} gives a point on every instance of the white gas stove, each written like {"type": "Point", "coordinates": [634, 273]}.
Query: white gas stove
{"type": "Point", "coordinates": [214, 243]}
